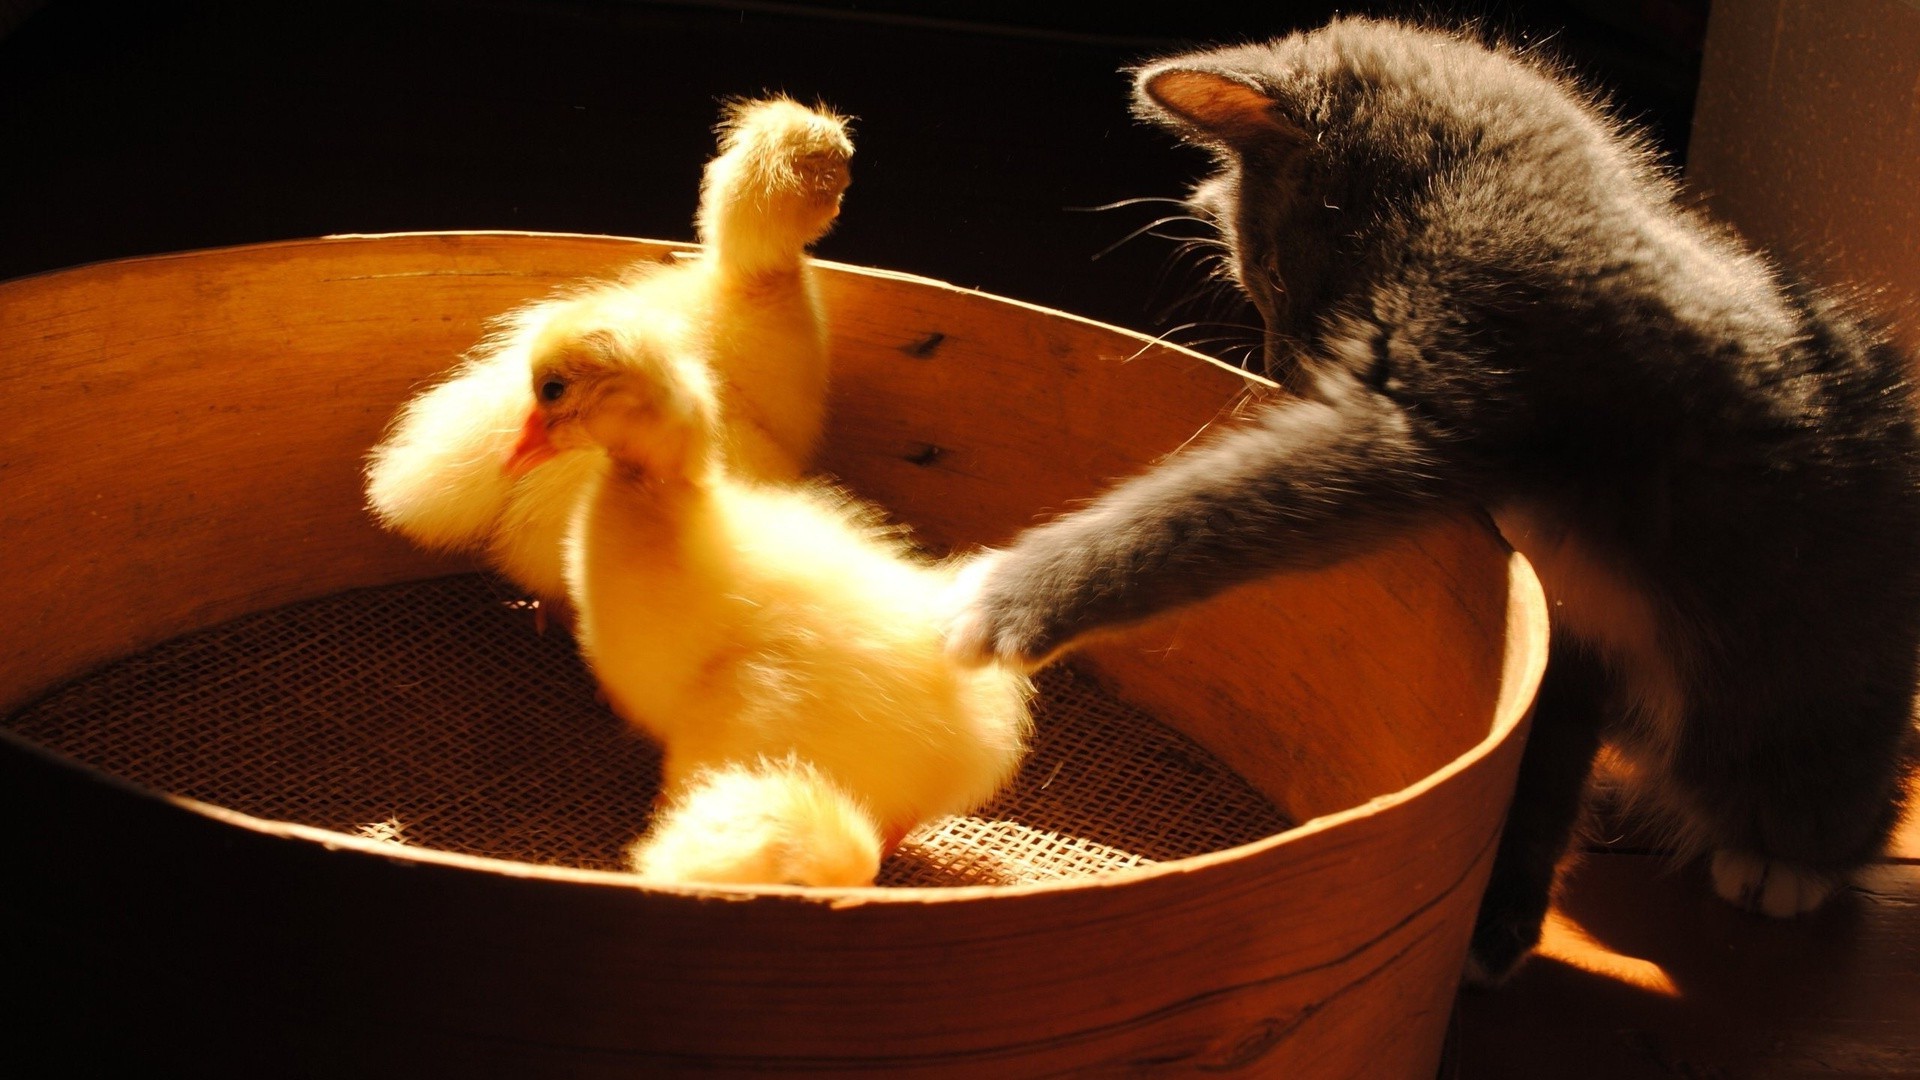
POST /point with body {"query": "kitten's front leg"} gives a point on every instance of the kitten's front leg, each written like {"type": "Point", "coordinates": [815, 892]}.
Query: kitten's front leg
{"type": "Point", "coordinates": [1308, 483]}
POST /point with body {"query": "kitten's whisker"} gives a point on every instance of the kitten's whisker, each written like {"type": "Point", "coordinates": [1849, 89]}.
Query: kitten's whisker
{"type": "Point", "coordinates": [1183, 300]}
{"type": "Point", "coordinates": [1190, 258]}
{"type": "Point", "coordinates": [1201, 243]}
{"type": "Point", "coordinates": [1197, 239]}
{"type": "Point", "coordinates": [1222, 297]}
{"type": "Point", "coordinates": [1171, 236]}
{"type": "Point", "coordinates": [1222, 324]}
{"type": "Point", "coordinates": [1175, 263]}
{"type": "Point", "coordinates": [1161, 338]}
{"type": "Point", "coordinates": [1142, 231]}
{"type": "Point", "coordinates": [1235, 334]}
{"type": "Point", "coordinates": [1225, 411]}
{"type": "Point", "coordinates": [1217, 347]}
{"type": "Point", "coordinates": [1198, 263]}
{"type": "Point", "coordinates": [1199, 252]}
{"type": "Point", "coordinates": [1136, 201]}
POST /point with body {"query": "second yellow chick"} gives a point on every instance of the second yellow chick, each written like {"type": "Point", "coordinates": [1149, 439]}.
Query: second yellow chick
{"type": "Point", "coordinates": [734, 620]}
{"type": "Point", "coordinates": [748, 303]}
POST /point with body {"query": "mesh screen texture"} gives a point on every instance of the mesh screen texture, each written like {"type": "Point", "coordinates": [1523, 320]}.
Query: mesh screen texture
{"type": "Point", "coordinates": [433, 714]}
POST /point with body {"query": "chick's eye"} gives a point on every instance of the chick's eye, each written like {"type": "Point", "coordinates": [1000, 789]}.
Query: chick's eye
{"type": "Point", "coordinates": [552, 389]}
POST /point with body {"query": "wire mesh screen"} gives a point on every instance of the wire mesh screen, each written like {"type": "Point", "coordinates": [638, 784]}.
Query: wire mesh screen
{"type": "Point", "coordinates": [433, 714]}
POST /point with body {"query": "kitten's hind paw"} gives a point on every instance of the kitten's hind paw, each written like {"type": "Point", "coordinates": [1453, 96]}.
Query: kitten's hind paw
{"type": "Point", "coordinates": [1769, 886]}
{"type": "Point", "coordinates": [1482, 975]}
{"type": "Point", "coordinates": [1497, 951]}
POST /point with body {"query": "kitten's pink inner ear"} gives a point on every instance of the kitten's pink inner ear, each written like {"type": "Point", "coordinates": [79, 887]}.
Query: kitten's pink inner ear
{"type": "Point", "coordinates": [1223, 107]}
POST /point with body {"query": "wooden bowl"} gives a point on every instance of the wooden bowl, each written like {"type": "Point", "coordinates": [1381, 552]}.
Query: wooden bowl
{"type": "Point", "coordinates": [185, 447]}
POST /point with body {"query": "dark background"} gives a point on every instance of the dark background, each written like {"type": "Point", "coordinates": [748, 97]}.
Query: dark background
{"type": "Point", "coordinates": [130, 128]}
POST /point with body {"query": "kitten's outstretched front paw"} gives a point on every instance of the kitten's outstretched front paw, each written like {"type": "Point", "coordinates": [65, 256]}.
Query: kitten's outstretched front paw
{"type": "Point", "coordinates": [1779, 889]}
{"type": "Point", "coordinates": [982, 627]}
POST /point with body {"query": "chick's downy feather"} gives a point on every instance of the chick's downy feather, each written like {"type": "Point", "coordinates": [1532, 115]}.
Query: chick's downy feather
{"type": "Point", "coordinates": [756, 823]}
{"type": "Point", "coordinates": [778, 619]}
{"type": "Point", "coordinates": [733, 619]}
{"type": "Point", "coordinates": [748, 304]}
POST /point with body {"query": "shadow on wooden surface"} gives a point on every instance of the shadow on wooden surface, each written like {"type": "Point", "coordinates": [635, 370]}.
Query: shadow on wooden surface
{"type": "Point", "coordinates": [1645, 973]}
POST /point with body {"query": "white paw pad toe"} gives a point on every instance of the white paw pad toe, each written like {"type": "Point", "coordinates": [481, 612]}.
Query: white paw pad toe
{"type": "Point", "coordinates": [1779, 889]}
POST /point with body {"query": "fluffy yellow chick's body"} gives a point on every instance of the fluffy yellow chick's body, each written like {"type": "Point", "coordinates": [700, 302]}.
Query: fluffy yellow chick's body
{"type": "Point", "coordinates": [748, 304]}
{"type": "Point", "coordinates": [767, 822]}
{"type": "Point", "coordinates": [733, 620]}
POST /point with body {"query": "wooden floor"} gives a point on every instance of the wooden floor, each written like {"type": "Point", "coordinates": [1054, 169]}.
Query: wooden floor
{"type": "Point", "coordinates": [1645, 973]}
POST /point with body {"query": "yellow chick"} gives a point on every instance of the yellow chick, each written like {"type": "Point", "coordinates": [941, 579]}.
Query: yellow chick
{"type": "Point", "coordinates": [732, 619]}
{"type": "Point", "coordinates": [748, 303]}
{"type": "Point", "coordinates": [766, 822]}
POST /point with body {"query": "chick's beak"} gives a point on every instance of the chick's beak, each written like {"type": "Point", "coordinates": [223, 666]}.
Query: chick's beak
{"type": "Point", "coordinates": [535, 446]}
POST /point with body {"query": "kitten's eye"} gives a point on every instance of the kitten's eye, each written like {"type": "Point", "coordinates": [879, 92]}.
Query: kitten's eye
{"type": "Point", "coordinates": [1270, 273]}
{"type": "Point", "coordinates": [553, 389]}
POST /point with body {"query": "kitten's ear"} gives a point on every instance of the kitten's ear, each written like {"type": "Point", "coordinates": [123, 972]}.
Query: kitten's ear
{"type": "Point", "coordinates": [1212, 106]}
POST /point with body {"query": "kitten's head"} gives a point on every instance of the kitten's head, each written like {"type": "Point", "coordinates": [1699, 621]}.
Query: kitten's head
{"type": "Point", "coordinates": [1327, 142]}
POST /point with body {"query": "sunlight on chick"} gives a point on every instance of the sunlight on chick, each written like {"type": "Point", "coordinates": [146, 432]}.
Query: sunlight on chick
{"type": "Point", "coordinates": [748, 304]}
{"type": "Point", "coordinates": [760, 823]}
{"type": "Point", "coordinates": [732, 619]}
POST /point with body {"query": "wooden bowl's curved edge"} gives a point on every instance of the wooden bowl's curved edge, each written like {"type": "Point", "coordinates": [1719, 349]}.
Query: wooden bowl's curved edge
{"type": "Point", "coordinates": [647, 243]}
{"type": "Point", "coordinates": [1524, 661]}
{"type": "Point", "coordinates": [298, 242]}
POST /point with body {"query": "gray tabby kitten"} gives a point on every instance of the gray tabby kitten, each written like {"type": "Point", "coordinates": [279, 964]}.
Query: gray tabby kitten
{"type": "Point", "coordinates": [1486, 293]}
